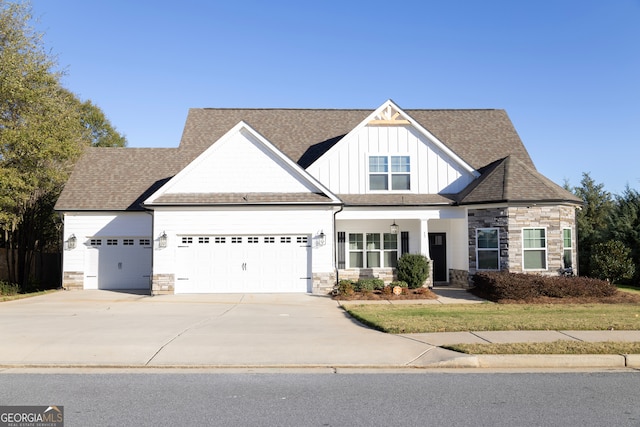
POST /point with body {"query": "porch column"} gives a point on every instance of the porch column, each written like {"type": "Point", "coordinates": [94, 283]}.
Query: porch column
{"type": "Point", "coordinates": [424, 237]}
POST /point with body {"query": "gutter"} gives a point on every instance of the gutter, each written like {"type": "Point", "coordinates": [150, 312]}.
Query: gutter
{"type": "Point", "coordinates": [335, 252]}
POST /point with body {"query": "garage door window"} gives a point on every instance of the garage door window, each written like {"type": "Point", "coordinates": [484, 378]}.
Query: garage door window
{"type": "Point", "coordinates": [95, 242]}
{"type": "Point", "coordinates": [112, 242]}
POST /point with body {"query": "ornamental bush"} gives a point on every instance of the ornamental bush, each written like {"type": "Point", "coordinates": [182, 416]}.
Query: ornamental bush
{"type": "Point", "coordinates": [368, 285]}
{"type": "Point", "coordinates": [413, 269]}
{"type": "Point", "coordinates": [612, 261]}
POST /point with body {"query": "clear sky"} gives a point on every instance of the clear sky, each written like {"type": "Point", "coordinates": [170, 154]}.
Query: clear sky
{"type": "Point", "coordinates": [566, 71]}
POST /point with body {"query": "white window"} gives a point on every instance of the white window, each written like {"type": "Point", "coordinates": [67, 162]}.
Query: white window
{"type": "Point", "coordinates": [389, 173]}
{"type": "Point", "coordinates": [127, 242]}
{"type": "Point", "coordinates": [187, 240]}
{"type": "Point", "coordinates": [373, 250]}
{"type": "Point", "coordinates": [269, 239]}
{"type": "Point", "coordinates": [203, 240]}
{"type": "Point", "coordinates": [301, 239]}
{"type": "Point", "coordinates": [534, 248]}
{"type": "Point", "coordinates": [220, 240]}
{"type": "Point", "coordinates": [253, 240]}
{"type": "Point", "coordinates": [236, 240]}
{"type": "Point", "coordinates": [95, 242]}
{"type": "Point", "coordinates": [285, 239]}
{"type": "Point", "coordinates": [144, 242]}
{"type": "Point", "coordinates": [567, 245]}
{"type": "Point", "coordinates": [112, 242]}
{"type": "Point", "coordinates": [487, 249]}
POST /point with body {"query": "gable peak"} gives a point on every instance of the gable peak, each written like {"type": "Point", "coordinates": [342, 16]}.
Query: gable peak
{"type": "Point", "coordinates": [388, 114]}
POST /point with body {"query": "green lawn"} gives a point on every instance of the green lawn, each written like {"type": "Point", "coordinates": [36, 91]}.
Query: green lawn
{"type": "Point", "coordinates": [557, 347]}
{"type": "Point", "coordinates": [496, 317]}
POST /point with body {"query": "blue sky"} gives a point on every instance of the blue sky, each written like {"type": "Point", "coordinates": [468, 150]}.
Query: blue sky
{"type": "Point", "coordinates": [566, 71]}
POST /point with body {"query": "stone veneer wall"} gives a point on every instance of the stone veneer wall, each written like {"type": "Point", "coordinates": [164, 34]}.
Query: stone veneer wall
{"type": "Point", "coordinates": [459, 278]}
{"type": "Point", "coordinates": [489, 218]}
{"type": "Point", "coordinates": [388, 275]}
{"type": "Point", "coordinates": [511, 220]}
{"type": "Point", "coordinates": [163, 284]}
{"type": "Point", "coordinates": [73, 280]}
{"type": "Point", "coordinates": [323, 283]}
{"type": "Point", "coordinates": [554, 219]}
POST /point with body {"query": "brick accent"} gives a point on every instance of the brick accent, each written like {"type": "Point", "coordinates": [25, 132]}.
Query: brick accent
{"type": "Point", "coordinates": [323, 283]}
{"type": "Point", "coordinates": [163, 284]}
{"type": "Point", "coordinates": [73, 280]}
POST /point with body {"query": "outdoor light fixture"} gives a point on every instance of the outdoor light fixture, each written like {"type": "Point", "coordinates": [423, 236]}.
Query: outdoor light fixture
{"type": "Point", "coordinates": [322, 238]}
{"type": "Point", "coordinates": [71, 242]}
{"type": "Point", "coordinates": [395, 227]}
{"type": "Point", "coordinates": [162, 240]}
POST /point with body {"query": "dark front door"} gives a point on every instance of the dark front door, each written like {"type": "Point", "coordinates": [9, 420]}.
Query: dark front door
{"type": "Point", "coordinates": [438, 255]}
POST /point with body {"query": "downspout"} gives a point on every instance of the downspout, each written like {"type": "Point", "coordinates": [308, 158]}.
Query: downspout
{"type": "Point", "coordinates": [335, 240]}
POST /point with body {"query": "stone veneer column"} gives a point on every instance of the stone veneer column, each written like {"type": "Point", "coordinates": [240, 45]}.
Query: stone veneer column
{"type": "Point", "coordinates": [163, 284]}
{"type": "Point", "coordinates": [489, 218]}
{"type": "Point", "coordinates": [323, 283]}
{"type": "Point", "coordinates": [73, 280]}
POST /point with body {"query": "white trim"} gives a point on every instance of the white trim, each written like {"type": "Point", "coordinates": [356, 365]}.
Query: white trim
{"type": "Point", "coordinates": [545, 248]}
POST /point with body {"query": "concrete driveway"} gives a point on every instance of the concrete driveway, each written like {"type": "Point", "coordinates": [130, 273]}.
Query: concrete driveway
{"type": "Point", "coordinates": [103, 328]}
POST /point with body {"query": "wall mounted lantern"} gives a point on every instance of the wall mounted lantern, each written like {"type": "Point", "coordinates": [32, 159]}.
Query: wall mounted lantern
{"type": "Point", "coordinates": [322, 238]}
{"type": "Point", "coordinates": [395, 227]}
{"type": "Point", "coordinates": [72, 241]}
{"type": "Point", "coordinates": [162, 240]}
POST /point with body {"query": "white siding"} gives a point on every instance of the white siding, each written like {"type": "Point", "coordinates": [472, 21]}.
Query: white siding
{"type": "Point", "coordinates": [344, 169]}
{"type": "Point", "coordinates": [240, 164]}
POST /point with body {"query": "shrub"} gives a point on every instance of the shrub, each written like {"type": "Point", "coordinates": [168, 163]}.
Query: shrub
{"type": "Point", "coordinates": [496, 286]}
{"type": "Point", "coordinates": [345, 288]}
{"type": "Point", "coordinates": [369, 285]}
{"type": "Point", "coordinates": [612, 261]}
{"type": "Point", "coordinates": [7, 288]}
{"type": "Point", "coordinates": [413, 269]}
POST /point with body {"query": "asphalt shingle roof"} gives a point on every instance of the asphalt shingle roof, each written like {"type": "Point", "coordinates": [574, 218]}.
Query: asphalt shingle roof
{"type": "Point", "coordinates": [122, 178]}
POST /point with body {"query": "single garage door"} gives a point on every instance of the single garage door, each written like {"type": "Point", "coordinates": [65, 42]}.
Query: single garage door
{"type": "Point", "coordinates": [118, 263]}
{"type": "Point", "coordinates": [243, 263]}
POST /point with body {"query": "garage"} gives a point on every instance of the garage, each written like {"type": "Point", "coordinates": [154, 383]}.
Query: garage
{"type": "Point", "coordinates": [243, 263]}
{"type": "Point", "coordinates": [118, 263]}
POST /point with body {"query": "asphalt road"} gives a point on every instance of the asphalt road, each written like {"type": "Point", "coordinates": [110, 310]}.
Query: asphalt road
{"type": "Point", "coordinates": [423, 398]}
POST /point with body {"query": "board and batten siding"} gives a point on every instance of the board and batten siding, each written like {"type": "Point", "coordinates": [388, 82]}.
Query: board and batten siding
{"type": "Point", "coordinates": [345, 168]}
{"type": "Point", "coordinates": [224, 170]}
{"type": "Point", "coordinates": [253, 221]}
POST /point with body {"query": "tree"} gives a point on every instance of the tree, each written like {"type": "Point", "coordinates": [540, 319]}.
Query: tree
{"type": "Point", "coordinates": [624, 224]}
{"type": "Point", "coordinates": [611, 261]}
{"type": "Point", "coordinates": [43, 130]}
{"type": "Point", "coordinates": [592, 219]}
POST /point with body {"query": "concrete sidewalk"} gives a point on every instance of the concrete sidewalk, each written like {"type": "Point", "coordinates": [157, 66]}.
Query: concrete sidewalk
{"type": "Point", "coordinates": [111, 329]}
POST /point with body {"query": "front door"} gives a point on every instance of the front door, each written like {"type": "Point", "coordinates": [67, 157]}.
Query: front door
{"type": "Point", "coordinates": [438, 255]}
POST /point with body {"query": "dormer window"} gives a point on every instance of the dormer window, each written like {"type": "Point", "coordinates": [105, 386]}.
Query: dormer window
{"type": "Point", "coordinates": [389, 172]}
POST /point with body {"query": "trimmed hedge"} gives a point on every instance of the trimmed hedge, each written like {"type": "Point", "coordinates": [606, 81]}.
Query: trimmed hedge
{"type": "Point", "coordinates": [496, 286]}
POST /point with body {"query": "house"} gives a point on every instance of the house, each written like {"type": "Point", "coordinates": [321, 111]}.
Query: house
{"type": "Point", "coordinates": [292, 200]}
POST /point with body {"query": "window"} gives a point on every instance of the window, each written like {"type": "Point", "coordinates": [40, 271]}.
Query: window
{"type": "Point", "coordinates": [567, 248]}
{"type": "Point", "coordinates": [285, 239]}
{"type": "Point", "coordinates": [301, 239]}
{"type": "Point", "coordinates": [253, 240]}
{"type": "Point", "coordinates": [127, 242]}
{"type": "Point", "coordinates": [112, 242]}
{"type": "Point", "coordinates": [187, 240]}
{"type": "Point", "coordinates": [535, 248]}
{"type": "Point", "coordinates": [373, 250]}
{"type": "Point", "coordinates": [95, 242]}
{"type": "Point", "coordinates": [220, 240]}
{"type": "Point", "coordinates": [269, 239]}
{"type": "Point", "coordinates": [487, 249]}
{"type": "Point", "coordinates": [236, 240]}
{"type": "Point", "coordinates": [203, 240]}
{"type": "Point", "coordinates": [144, 242]}
{"type": "Point", "coordinates": [381, 176]}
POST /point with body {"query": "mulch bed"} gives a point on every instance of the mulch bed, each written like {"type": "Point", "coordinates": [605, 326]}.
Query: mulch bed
{"type": "Point", "coordinates": [619, 298]}
{"type": "Point", "coordinates": [407, 294]}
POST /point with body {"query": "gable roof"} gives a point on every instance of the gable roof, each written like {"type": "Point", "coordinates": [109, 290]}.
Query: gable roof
{"type": "Point", "coordinates": [217, 190]}
{"type": "Point", "coordinates": [122, 178]}
{"type": "Point", "coordinates": [511, 180]}
{"type": "Point", "coordinates": [479, 137]}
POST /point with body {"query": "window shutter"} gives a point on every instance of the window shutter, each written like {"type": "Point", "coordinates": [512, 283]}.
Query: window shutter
{"type": "Point", "coordinates": [404, 242]}
{"type": "Point", "coordinates": [341, 247]}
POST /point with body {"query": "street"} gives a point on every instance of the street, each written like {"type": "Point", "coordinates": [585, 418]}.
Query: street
{"type": "Point", "coordinates": [323, 398]}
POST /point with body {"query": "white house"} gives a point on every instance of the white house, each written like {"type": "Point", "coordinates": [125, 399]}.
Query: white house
{"type": "Point", "coordinates": [291, 200]}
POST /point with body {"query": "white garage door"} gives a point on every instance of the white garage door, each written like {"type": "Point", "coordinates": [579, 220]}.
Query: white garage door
{"type": "Point", "coordinates": [118, 263]}
{"type": "Point", "coordinates": [243, 263]}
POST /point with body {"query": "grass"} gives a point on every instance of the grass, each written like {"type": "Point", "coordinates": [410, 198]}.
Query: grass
{"type": "Point", "coordinates": [496, 317]}
{"type": "Point", "coordinates": [557, 347]}
{"type": "Point", "coordinates": [27, 295]}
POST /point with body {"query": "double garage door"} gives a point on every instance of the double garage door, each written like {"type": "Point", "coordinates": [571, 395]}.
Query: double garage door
{"type": "Point", "coordinates": [243, 263]}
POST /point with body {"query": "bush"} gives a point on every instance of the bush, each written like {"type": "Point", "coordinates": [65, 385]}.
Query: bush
{"type": "Point", "coordinates": [345, 288]}
{"type": "Point", "coordinates": [496, 286]}
{"type": "Point", "coordinates": [369, 285]}
{"type": "Point", "coordinates": [413, 269]}
{"type": "Point", "coordinates": [612, 261]}
{"type": "Point", "coordinates": [398, 283]}
{"type": "Point", "coordinates": [7, 288]}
